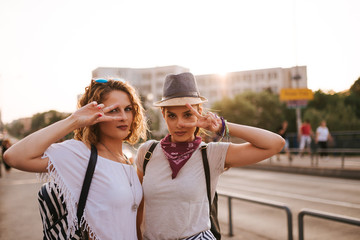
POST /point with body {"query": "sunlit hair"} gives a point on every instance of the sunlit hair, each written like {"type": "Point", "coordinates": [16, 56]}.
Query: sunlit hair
{"type": "Point", "coordinates": [98, 92]}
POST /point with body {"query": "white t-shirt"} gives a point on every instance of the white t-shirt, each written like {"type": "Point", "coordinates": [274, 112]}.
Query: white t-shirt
{"type": "Point", "coordinates": [178, 208]}
{"type": "Point", "coordinates": [322, 133]}
{"type": "Point", "coordinates": [107, 212]}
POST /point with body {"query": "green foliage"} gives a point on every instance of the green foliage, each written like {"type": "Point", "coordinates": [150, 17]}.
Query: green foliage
{"type": "Point", "coordinates": [339, 116]}
{"type": "Point", "coordinates": [237, 110]}
{"type": "Point", "coordinates": [268, 109]}
{"type": "Point", "coordinates": [16, 129]}
{"type": "Point", "coordinates": [340, 110]}
{"type": "Point", "coordinates": [264, 110]}
{"type": "Point", "coordinates": [41, 120]}
{"type": "Point", "coordinates": [353, 99]}
{"type": "Point", "coordinates": [355, 88]}
{"type": "Point", "coordinates": [153, 120]}
{"type": "Point", "coordinates": [322, 100]}
{"type": "Point", "coordinates": [38, 121]}
{"type": "Point", "coordinates": [255, 109]}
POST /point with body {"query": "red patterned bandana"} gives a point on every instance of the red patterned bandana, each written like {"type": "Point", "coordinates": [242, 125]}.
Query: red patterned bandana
{"type": "Point", "coordinates": [178, 153]}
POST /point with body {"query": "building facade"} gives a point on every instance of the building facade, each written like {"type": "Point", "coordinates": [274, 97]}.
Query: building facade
{"type": "Point", "coordinates": [215, 87]}
{"type": "Point", "coordinates": [149, 82]}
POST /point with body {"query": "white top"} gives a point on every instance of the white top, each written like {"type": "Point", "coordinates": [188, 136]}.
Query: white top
{"type": "Point", "coordinates": [178, 208]}
{"type": "Point", "coordinates": [107, 214]}
{"type": "Point", "coordinates": [322, 133]}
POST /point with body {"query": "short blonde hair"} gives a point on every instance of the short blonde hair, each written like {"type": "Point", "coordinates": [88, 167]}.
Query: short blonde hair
{"type": "Point", "coordinates": [98, 92]}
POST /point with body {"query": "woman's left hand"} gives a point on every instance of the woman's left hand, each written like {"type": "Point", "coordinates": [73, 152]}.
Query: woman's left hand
{"type": "Point", "coordinates": [209, 121]}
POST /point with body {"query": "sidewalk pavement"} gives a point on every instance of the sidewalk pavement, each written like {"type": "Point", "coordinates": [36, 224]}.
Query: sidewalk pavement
{"type": "Point", "coordinates": [331, 166]}
{"type": "Point", "coordinates": [19, 214]}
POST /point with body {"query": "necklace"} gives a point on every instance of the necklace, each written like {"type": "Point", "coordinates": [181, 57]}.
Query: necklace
{"type": "Point", "coordinates": [134, 206]}
{"type": "Point", "coordinates": [125, 159]}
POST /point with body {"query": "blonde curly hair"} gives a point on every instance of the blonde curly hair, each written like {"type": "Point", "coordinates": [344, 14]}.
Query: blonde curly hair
{"type": "Point", "coordinates": [98, 92]}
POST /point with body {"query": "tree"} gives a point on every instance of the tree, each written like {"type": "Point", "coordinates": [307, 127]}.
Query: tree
{"type": "Point", "coordinates": [262, 110]}
{"type": "Point", "coordinates": [353, 99]}
{"type": "Point", "coordinates": [15, 129]}
{"type": "Point", "coordinates": [41, 120]}
{"type": "Point", "coordinates": [237, 110]}
{"type": "Point", "coordinates": [37, 122]}
{"type": "Point", "coordinates": [269, 109]}
{"type": "Point", "coordinates": [355, 88]}
{"type": "Point", "coordinates": [322, 100]}
{"type": "Point", "coordinates": [339, 110]}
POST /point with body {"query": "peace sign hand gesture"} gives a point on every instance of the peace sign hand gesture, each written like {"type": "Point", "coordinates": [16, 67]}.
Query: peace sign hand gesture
{"type": "Point", "coordinates": [209, 121]}
{"type": "Point", "coordinates": [93, 113]}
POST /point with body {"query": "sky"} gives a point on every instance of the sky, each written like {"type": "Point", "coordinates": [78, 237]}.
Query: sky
{"type": "Point", "coordinates": [48, 48]}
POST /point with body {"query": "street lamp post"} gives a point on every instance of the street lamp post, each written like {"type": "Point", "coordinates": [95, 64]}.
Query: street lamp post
{"type": "Point", "coordinates": [297, 78]}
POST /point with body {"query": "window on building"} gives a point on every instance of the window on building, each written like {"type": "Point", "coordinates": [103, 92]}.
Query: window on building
{"type": "Point", "coordinates": [146, 75]}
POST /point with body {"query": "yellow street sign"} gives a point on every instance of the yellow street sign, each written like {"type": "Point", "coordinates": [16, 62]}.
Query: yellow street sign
{"type": "Point", "coordinates": [289, 94]}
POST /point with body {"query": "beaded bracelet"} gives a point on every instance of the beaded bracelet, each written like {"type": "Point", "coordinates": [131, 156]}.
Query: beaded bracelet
{"type": "Point", "coordinates": [227, 131]}
{"type": "Point", "coordinates": [223, 128]}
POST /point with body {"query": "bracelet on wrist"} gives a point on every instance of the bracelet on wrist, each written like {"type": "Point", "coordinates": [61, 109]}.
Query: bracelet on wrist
{"type": "Point", "coordinates": [223, 128]}
{"type": "Point", "coordinates": [227, 131]}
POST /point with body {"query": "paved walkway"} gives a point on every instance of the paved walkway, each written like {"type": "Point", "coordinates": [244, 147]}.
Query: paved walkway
{"type": "Point", "coordinates": [331, 161]}
{"type": "Point", "coordinates": [332, 166]}
{"type": "Point", "coordinates": [19, 214]}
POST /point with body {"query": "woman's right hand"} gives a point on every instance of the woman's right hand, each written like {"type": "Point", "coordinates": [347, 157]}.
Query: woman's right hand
{"type": "Point", "coordinates": [209, 121]}
{"type": "Point", "coordinates": [92, 113]}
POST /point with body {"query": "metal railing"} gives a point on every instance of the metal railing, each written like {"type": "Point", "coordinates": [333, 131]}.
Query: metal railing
{"type": "Point", "coordinates": [323, 215]}
{"type": "Point", "coordinates": [341, 152]}
{"type": "Point", "coordinates": [301, 214]}
{"type": "Point", "coordinates": [261, 202]}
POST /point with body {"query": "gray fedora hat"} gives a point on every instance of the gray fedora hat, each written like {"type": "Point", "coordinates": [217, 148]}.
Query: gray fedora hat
{"type": "Point", "coordinates": [180, 89]}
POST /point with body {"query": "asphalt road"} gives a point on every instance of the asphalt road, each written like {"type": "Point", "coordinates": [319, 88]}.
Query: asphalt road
{"type": "Point", "coordinates": [258, 222]}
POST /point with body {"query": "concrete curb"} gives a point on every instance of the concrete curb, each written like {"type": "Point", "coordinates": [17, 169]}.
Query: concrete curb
{"type": "Point", "coordinates": [317, 171]}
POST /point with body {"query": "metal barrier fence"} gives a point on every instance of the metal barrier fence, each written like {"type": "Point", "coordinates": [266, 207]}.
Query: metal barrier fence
{"type": "Point", "coordinates": [341, 139]}
{"type": "Point", "coordinates": [341, 152]}
{"type": "Point", "coordinates": [261, 202]}
{"type": "Point", "coordinates": [338, 151]}
{"type": "Point", "coordinates": [301, 214]}
{"type": "Point", "coordinates": [323, 215]}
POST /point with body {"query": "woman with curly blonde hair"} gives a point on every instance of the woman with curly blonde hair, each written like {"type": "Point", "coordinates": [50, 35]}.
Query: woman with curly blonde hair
{"type": "Point", "coordinates": [109, 113]}
{"type": "Point", "coordinates": [96, 93]}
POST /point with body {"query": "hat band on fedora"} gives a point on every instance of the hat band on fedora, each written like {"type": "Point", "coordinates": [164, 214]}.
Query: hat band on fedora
{"type": "Point", "coordinates": [181, 94]}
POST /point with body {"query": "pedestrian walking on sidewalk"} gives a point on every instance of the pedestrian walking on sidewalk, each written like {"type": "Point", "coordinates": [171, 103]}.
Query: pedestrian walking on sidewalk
{"type": "Point", "coordinates": [5, 144]}
{"type": "Point", "coordinates": [282, 131]}
{"type": "Point", "coordinates": [110, 112]}
{"type": "Point", "coordinates": [322, 137]}
{"type": "Point", "coordinates": [306, 134]}
{"type": "Point", "coordinates": [175, 191]}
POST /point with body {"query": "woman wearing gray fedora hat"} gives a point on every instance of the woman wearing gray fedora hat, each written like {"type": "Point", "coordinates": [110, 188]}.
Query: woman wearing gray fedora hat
{"type": "Point", "coordinates": [176, 203]}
